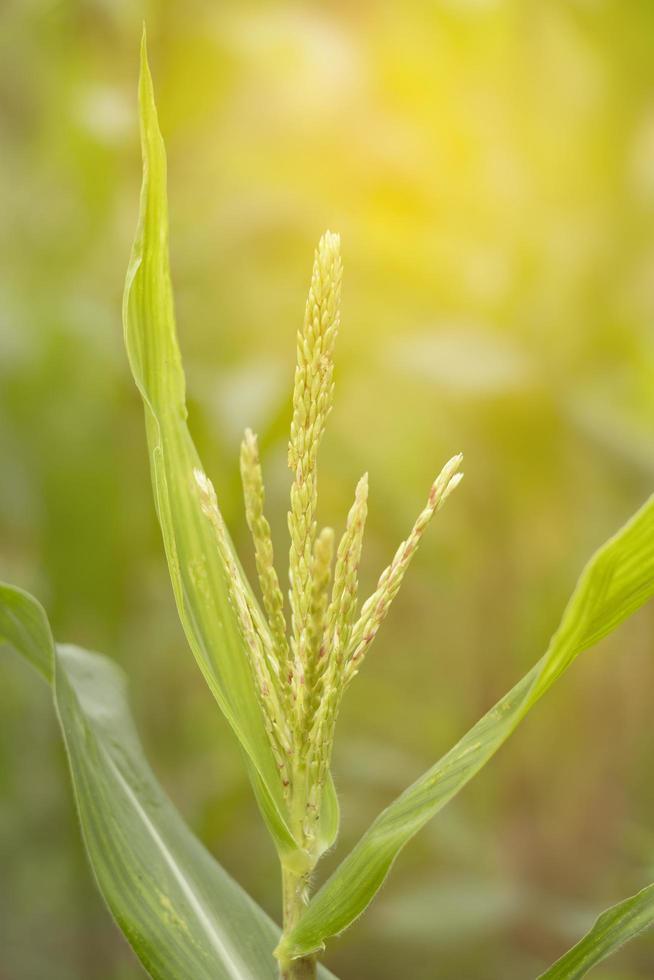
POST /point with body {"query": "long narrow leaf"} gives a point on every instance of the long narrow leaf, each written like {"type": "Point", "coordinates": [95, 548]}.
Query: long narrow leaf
{"type": "Point", "coordinates": [617, 580]}
{"type": "Point", "coordinates": [614, 927]}
{"type": "Point", "coordinates": [198, 576]}
{"type": "Point", "coordinates": [182, 913]}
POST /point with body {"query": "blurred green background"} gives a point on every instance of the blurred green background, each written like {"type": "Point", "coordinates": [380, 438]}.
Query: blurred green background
{"type": "Point", "coordinates": [490, 166]}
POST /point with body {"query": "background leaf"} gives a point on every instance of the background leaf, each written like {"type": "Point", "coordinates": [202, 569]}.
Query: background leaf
{"type": "Point", "coordinates": [181, 912]}
{"type": "Point", "coordinates": [615, 927]}
{"type": "Point", "coordinates": [198, 576]}
{"type": "Point", "coordinates": [24, 624]}
{"type": "Point", "coordinates": [616, 581]}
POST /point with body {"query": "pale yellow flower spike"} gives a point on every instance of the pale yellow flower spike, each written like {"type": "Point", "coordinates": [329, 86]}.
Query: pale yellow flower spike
{"type": "Point", "coordinates": [331, 679]}
{"type": "Point", "coordinates": [300, 683]}
{"type": "Point", "coordinates": [375, 609]}
{"type": "Point", "coordinates": [323, 553]}
{"type": "Point", "coordinates": [260, 653]}
{"type": "Point", "coordinates": [273, 600]}
{"type": "Point", "coordinates": [346, 575]}
{"type": "Point", "coordinates": [312, 402]}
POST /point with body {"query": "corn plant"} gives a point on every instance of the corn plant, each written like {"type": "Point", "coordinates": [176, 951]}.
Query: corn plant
{"type": "Point", "coordinates": [277, 671]}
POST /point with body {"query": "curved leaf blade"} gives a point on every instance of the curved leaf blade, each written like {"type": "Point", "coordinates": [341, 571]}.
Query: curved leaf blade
{"type": "Point", "coordinates": [24, 625]}
{"type": "Point", "coordinates": [614, 927]}
{"type": "Point", "coordinates": [199, 579]}
{"type": "Point", "coordinates": [617, 580]}
{"type": "Point", "coordinates": [181, 912]}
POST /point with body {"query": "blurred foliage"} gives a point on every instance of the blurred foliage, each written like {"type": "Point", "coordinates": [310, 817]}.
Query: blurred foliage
{"type": "Point", "coordinates": [490, 166]}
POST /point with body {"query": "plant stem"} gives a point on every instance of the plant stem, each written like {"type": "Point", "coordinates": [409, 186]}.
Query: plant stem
{"type": "Point", "coordinates": [295, 898]}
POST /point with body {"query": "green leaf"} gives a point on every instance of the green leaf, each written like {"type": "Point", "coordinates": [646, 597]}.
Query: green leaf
{"type": "Point", "coordinates": [615, 927]}
{"type": "Point", "coordinates": [24, 624]}
{"type": "Point", "coordinates": [618, 579]}
{"type": "Point", "coordinates": [199, 579]}
{"type": "Point", "coordinates": [330, 815]}
{"type": "Point", "coordinates": [182, 913]}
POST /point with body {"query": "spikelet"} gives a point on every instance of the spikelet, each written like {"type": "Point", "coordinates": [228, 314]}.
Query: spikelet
{"type": "Point", "coordinates": [321, 570]}
{"type": "Point", "coordinates": [375, 609]}
{"type": "Point", "coordinates": [273, 600]}
{"type": "Point", "coordinates": [346, 576]}
{"type": "Point", "coordinates": [340, 615]}
{"type": "Point", "coordinates": [260, 652]}
{"type": "Point", "coordinates": [312, 402]}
